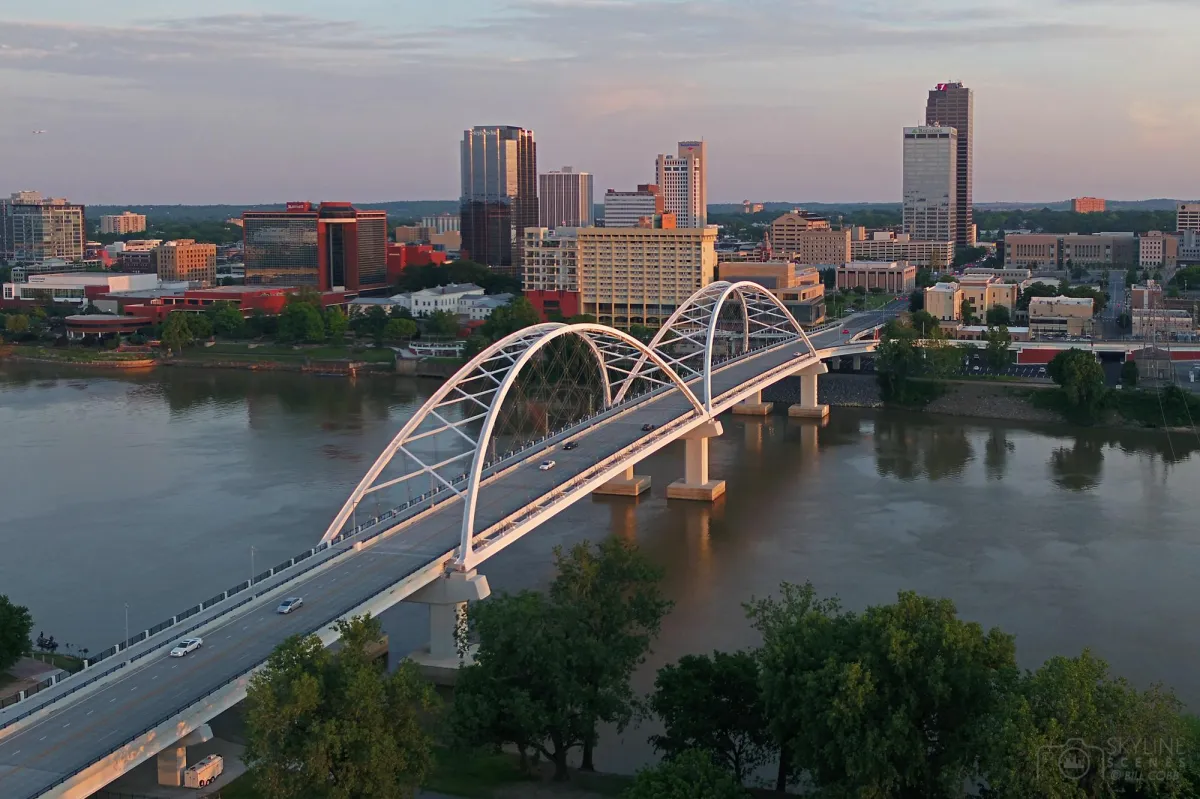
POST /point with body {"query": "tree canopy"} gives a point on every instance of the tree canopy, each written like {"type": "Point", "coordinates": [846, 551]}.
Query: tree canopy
{"type": "Point", "coordinates": [335, 726]}
{"type": "Point", "coordinates": [15, 626]}
{"type": "Point", "coordinates": [691, 775]}
{"type": "Point", "coordinates": [176, 332]}
{"type": "Point", "coordinates": [1081, 378]}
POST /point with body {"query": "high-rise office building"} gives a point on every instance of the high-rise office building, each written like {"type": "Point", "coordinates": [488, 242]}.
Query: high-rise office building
{"type": "Point", "coordinates": [1187, 217]}
{"type": "Point", "coordinates": [565, 199]}
{"type": "Point", "coordinates": [499, 193]}
{"type": "Point", "coordinates": [33, 229]}
{"type": "Point", "coordinates": [931, 183]}
{"type": "Point", "coordinates": [952, 105]}
{"type": "Point", "coordinates": [329, 246]}
{"type": "Point", "coordinates": [632, 208]}
{"type": "Point", "coordinates": [440, 223]}
{"type": "Point", "coordinates": [683, 181]}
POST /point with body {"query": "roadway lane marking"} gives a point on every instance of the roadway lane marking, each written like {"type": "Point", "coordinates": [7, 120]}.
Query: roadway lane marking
{"type": "Point", "coordinates": [68, 724]}
{"type": "Point", "coordinates": [42, 738]}
{"type": "Point", "coordinates": [90, 712]}
{"type": "Point", "coordinates": [155, 677]}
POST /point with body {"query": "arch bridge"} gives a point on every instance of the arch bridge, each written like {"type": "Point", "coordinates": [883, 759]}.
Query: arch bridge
{"type": "Point", "coordinates": [451, 489]}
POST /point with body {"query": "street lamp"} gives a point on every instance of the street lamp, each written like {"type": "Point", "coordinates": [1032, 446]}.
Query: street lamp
{"type": "Point", "coordinates": [126, 625]}
{"type": "Point", "coordinates": [251, 567]}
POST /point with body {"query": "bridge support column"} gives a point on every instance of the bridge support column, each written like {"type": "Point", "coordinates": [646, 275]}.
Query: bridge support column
{"type": "Point", "coordinates": [808, 407]}
{"type": "Point", "coordinates": [695, 484]}
{"type": "Point", "coordinates": [835, 363]}
{"type": "Point", "coordinates": [173, 760]}
{"type": "Point", "coordinates": [627, 485]}
{"type": "Point", "coordinates": [754, 406]}
{"type": "Point", "coordinates": [858, 363]}
{"type": "Point", "coordinates": [447, 598]}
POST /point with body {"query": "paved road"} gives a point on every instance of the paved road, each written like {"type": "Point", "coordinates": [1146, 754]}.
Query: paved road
{"type": "Point", "coordinates": [35, 758]}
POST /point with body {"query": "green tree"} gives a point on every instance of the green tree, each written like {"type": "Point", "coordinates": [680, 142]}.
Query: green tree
{"type": "Point", "coordinates": [372, 323]}
{"type": "Point", "coordinates": [16, 325]}
{"type": "Point", "coordinates": [999, 356]}
{"type": "Point", "coordinates": [713, 704]}
{"type": "Point", "coordinates": [860, 290]}
{"type": "Point", "coordinates": [399, 329]}
{"type": "Point", "coordinates": [442, 323]}
{"type": "Point", "coordinates": [335, 324]}
{"type": "Point", "coordinates": [1131, 277]}
{"type": "Point", "coordinates": [1036, 290]}
{"type": "Point", "coordinates": [227, 320]}
{"type": "Point", "coordinates": [969, 255]}
{"type": "Point", "coordinates": [610, 593]}
{"type": "Point", "coordinates": [517, 315]}
{"type": "Point", "coordinates": [15, 626]}
{"type": "Point", "coordinates": [523, 688]}
{"type": "Point", "coordinates": [301, 321]}
{"type": "Point", "coordinates": [1071, 730]}
{"type": "Point", "coordinates": [924, 278]}
{"type": "Point", "coordinates": [335, 726]}
{"type": "Point", "coordinates": [1081, 378]}
{"type": "Point", "coordinates": [641, 333]}
{"type": "Point", "coordinates": [259, 324]}
{"type": "Point", "coordinates": [691, 775]}
{"type": "Point", "coordinates": [1129, 374]}
{"type": "Point", "coordinates": [968, 312]}
{"type": "Point", "coordinates": [1124, 321]}
{"type": "Point", "coordinates": [926, 324]}
{"type": "Point", "coordinates": [998, 316]}
{"type": "Point", "coordinates": [176, 333]}
{"type": "Point", "coordinates": [829, 277]}
{"type": "Point", "coordinates": [916, 301]}
{"type": "Point", "coordinates": [897, 361]}
{"type": "Point", "coordinates": [473, 346]}
{"type": "Point", "coordinates": [200, 325]}
{"type": "Point", "coordinates": [897, 701]}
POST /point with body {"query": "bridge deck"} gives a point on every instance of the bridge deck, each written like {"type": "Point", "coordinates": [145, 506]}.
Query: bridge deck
{"type": "Point", "coordinates": [88, 728]}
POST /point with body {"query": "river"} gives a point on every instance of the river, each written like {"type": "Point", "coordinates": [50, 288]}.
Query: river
{"type": "Point", "coordinates": [151, 489]}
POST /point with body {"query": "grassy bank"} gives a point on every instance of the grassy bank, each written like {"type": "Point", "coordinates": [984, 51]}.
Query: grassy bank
{"type": "Point", "coordinates": [78, 355]}
{"type": "Point", "coordinates": [1169, 407]}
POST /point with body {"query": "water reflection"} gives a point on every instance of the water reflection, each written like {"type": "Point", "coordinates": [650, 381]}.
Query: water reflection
{"type": "Point", "coordinates": [1078, 468]}
{"type": "Point", "coordinates": [909, 451]}
{"type": "Point", "coordinates": [996, 452]}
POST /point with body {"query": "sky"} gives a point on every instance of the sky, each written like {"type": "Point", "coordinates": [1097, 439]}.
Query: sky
{"type": "Point", "coordinates": [247, 101]}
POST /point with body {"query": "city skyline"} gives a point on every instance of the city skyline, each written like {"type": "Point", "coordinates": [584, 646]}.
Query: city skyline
{"type": "Point", "coordinates": [130, 82]}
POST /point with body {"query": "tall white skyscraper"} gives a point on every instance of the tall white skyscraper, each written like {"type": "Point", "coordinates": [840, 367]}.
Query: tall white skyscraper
{"type": "Point", "coordinates": [930, 183]}
{"type": "Point", "coordinates": [565, 199]}
{"type": "Point", "coordinates": [683, 181]}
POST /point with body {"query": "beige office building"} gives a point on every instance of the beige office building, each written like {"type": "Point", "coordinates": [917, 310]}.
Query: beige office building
{"type": "Point", "coordinates": [1005, 274]}
{"type": "Point", "coordinates": [1099, 251]}
{"type": "Point", "coordinates": [1033, 251]}
{"type": "Point", "coordinates": [624, 276]}
{"type": "Point", "coordinates": [797, 286]}
{"type": "Point", "coordinates": [808, 239]}
{"type": "Point", "coordinates": [985, 292]}
{"type": "Point", "coordinates": [1059, 317]}
{"type": "Point", "coordinates": [889, 246]}
{"type": "Point", "coordinates": [1187, 217]}
{"type": "Point", "coordinates": [897, 277]}
{"type": "Point", "coordinates": [184, 259]}
{"type": "Point", "coordinates": [683, 182]}
{"type": "Point", "coordinates": [1157, 249]}
{"type": "Point", "coordinates": [122, 223]}
{"type": "Point", "coordinates": [944, 302]}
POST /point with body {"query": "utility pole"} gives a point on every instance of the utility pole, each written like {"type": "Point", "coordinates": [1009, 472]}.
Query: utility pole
{"type": "Point", "coordinates": [251, 567]}
{"type": "Point", "coordinates": [126, 625]}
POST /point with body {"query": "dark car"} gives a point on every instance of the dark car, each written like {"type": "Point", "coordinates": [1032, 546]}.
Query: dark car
{"type": "Point", "coordinates": [646, 428]}
{"type": "Point", "coordinates": [571, 445]}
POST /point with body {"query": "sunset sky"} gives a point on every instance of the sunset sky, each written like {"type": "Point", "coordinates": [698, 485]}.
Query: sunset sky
{"type": "Point", "coordinates": [244, 101]}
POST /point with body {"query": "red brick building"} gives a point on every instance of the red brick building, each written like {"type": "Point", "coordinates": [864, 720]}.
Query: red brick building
{"type": "Point", "coordinates": [402, 256]}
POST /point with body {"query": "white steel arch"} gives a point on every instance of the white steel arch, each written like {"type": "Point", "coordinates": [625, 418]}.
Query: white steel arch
{"type": "Point", "coordinates": [694, 326]}
{"type": "Point", "coordinates": [475, 394]}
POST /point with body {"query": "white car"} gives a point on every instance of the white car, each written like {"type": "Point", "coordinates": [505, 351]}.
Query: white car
{"type": "Point", "coordinates": [289, 604]}
{"type": "Point", "coordinates": [797, 354]}
{"type": "Point", "coordinates": [546, 466]}
{"type": "Point", "coordinates": [185, 646]}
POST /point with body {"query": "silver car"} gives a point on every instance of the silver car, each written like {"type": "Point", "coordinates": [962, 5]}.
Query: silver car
{"type": "Point", "coordinates": [289, 604]}
{"type": "Point", "coordinates": [185, 646]}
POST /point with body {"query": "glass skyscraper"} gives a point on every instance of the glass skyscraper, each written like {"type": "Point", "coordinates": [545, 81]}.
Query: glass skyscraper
{"type": "Point", "coordinates": [499, 193]}
{"type": "Point", "coordinates": [952, 105]}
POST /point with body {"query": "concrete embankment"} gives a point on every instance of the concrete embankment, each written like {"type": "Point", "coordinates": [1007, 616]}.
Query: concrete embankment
{"type": "Point", "coordinates": [837, 390]}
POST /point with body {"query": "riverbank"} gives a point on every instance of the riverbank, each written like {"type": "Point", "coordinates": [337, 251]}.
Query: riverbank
{"type": "Point", "coordinates": [101, 359]}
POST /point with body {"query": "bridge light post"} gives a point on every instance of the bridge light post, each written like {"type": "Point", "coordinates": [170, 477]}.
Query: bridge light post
{"type": "Point", "coordinates": [251, 567]}
{"type": "Point", "coordinates": [126, 625]}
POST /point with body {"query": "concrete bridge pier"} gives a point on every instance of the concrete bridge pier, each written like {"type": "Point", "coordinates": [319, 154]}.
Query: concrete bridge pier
{"type": "Point", "coordinates": [857, 360]}
{"type": "Point", "coordinates": [835, 363]}
{"type": "Point", "coordinates": [808, 407]}
{"type": "Point", "coordinates": [754, 406]}
{"type": "Point", "coordinates": [695, 484]}
{"type": "Point", "coordinates": [627, 485]}
{"type": "Point", "coordinates": [173, 760]}
{"type": "Point", "coordinates": [447, 598]}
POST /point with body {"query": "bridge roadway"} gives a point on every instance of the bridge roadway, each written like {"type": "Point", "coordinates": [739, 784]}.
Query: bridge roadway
{"type": "Point", "coordinates": [35, 758]}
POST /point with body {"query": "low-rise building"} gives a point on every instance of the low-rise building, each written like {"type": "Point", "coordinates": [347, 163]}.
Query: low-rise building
{"type": "Point", "coordinates": [1146, 296]}
{"type": "Point", "coordinates": [479, 309]}
{"type": "Point", "coordinates": [898, 277]}
{"type": "Point", "coordinates": [452, 298]}
{"type": "Point", "coordinates": [76, 288]}
{"type": "Point", "coordinates": [1005, 274]}
{"type": "Point", "coordinates": [809, 240]}
{"type": "Point", "coordinates": [985, 292]}
{"type": "Point", "coordinates": [798, 287]}
{"type": "Point", "coordinates": [1160, 322]}
{"type": "Point", "coordinates": [403, 256]}
{"type": "Point", "coordinates": [891, 246]}
{"type": "Point", "coordinates": [1099, 251]}
{"type": "Point", "coordinates": [1088, 205]}
{"type": "Point", "coordinates": [943, 301]}
{"type": "Point", "coordinates": [1060, 317]}
{"type": "Point", "coordinates": [1033, 251]}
